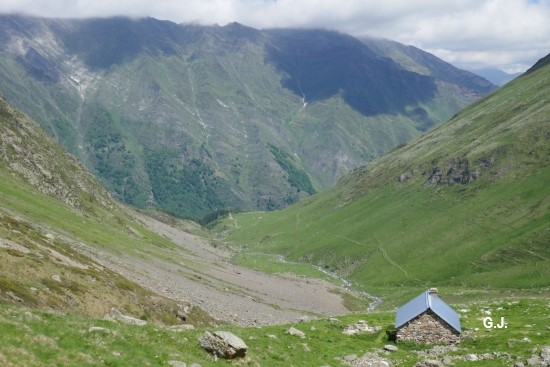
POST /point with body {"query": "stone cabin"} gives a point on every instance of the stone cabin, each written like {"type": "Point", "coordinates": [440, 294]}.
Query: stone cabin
{"type": "Point", "coordinates": [427, 319]}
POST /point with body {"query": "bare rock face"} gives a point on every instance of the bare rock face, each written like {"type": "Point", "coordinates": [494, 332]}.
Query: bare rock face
{"type": "Point", "coordinates": [457, 171]}
{"type": "Point", "coordinates": [223, 344]}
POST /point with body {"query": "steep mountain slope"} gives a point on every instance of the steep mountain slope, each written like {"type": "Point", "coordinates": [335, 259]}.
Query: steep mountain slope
{"type": "Point", "coordinates": [194, 119]}
{"type": "Point", "coordinates": [65, 245]}
{"type": "Point", "coordinates": [50, 206]}
{"type": "Point", "coordinates": [467, 204]}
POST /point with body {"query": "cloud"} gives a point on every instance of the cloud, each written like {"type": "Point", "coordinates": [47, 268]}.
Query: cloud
{"type": "Point", "coordinates": [508, 34]}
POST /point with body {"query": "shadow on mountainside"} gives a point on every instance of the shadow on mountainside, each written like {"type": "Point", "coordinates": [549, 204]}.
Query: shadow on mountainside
{"type": "Point", "coordinates": [321, 64]}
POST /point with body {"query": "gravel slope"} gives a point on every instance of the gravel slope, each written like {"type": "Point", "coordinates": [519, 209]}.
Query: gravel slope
{"type": "Point", "coordinates": [199, 274]}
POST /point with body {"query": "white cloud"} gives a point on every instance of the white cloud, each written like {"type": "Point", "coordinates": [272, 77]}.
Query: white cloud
{"type": "Point", "coordinates": [509, 34]}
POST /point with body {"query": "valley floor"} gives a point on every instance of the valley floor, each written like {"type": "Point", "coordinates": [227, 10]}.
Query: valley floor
{"type": "Point", "coordinates": [198, 273]}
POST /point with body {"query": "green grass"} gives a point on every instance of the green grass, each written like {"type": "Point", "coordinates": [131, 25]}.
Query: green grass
{"type": "Point", "coordinates": [378, 232]}
{"type": "Point", "coordinates": [37, 338]}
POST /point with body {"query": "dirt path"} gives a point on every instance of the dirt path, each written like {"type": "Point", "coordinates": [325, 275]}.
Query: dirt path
{"type": "Point", "coordinates": [197, 273]}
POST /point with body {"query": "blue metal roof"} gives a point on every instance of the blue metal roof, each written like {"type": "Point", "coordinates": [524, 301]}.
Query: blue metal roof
{"type": "Point", "coordinates": [422, 303]}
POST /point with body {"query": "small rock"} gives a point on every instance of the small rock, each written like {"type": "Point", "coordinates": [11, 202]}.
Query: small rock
{"type": "Point", "coordinates": [313, 328]}
{"type": "Point", "coordinates": [334, 320]}
{"type": "Point", "coordinates": [14, 296]}
{"type": "Point", "coordinates": [526, 340]}
{"type": "Point", "coordinates": [181, 315]}
{"type": "Point", "coordinates": [304, 318]}
{"type": "Point", "coordinates": [390, 347]}
{"type": "Point", "coordinates": [115, 314]}
{"type": "Point", "coordinates": [57, 278]}
{"type": "Point", "coordinates": [430, 363]}
{"type": "Point", "coordinates": [195, 365]}
{"type": "Point", "coordinates": [545, 353]}
{"type": "Point", "coordinates": [534, 361]}
{"type": "Point", "coordinates": [306, 347]}
{"type": "Point", "coordinates": [49, 236]}
{"type": "Point", "coordinates": [94, 329]}
{"type": "Point", "coordinates": [116, 354]}
{"type": "Point", "coordinates": [519, 364]}
{"type": "Point", "coordinates": [176, 364]}
{"type": "Point", "coordinates": [471, 357]}
{"type": "Point", "coordinates": [447, 361]}
{"type": "Point", "coordinates": [296, 332]}
{"type": "Point", "coordinates": [350, 357]}
{"type": "Point", "coordinates": [271, 336]}
{"type": "Point", "coordinates": [486, 356]}
{"type": "Point", "coordinates": [180, 328]}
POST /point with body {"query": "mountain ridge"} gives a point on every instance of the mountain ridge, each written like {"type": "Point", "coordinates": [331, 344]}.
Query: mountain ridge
{"type": "Point", "coordinates": [114, 90]}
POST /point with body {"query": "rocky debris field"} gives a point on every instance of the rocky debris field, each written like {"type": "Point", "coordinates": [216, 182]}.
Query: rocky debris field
{"type": "Point", "coordinates": [197, 273]}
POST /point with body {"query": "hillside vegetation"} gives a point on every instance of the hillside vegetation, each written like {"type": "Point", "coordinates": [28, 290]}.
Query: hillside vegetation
{"type": "Point", "coordinates": [187, 118]}
{"type": "Point", "coordinates": [466, 205]}
{"type": "Point", "coordinates": [52, 212]}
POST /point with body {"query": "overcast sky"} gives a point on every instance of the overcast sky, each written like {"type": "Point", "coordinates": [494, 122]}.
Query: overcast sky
{"type": "Point", "coordinates": [506, 34]}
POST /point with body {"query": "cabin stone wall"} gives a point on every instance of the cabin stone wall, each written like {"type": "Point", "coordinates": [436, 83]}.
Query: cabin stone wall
{"type": "Point", "coordinates": [428, 328]}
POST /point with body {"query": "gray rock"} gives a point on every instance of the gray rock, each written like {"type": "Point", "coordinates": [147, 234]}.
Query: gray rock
{"type": "Point", "coordinates": [176, 364]}
{"type": "Point", "coordinates": [471, 357]}
{"type": "Point", "coordinates": [57, 278]}
{"type": "Point", "coordinates": [359, 328]}
{"type": "Point", "coordinates": [367, 360]}
{"type": "Point", "coordinates": [545, 353]}
{"type": "Point", "coordinates": [94, 329]}
{"type": "Point", "coordinates": [115, 314]}
{"type": "Point", "coordinates": [534, 361]}
{"type": "Point", "coordinates": [519, 364]}
{"type": "Point", "coordinates": [296, 332]}
{"type": "Point", "coordinates": [390, 347]}
{"type": "Point", "coordinates": [181, 315]}
{"type": "Point", "coordinates": [350, 357]}
{"type": "Point", "coordinates": [180, 328]}
{"type": "Point", "coordinates": [223, 344]}
{"type": "Point", "coordinates": [195, 365]}
{"type": "Point", "coordinates": [430, 363]}
{"type": "Point", "coordinates": [447, 361]}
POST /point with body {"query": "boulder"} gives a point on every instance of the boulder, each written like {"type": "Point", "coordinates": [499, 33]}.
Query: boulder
{"type": "Point", "coordinates": [223, 344]}
{"type": "Point", "coordinates": [296, 332]}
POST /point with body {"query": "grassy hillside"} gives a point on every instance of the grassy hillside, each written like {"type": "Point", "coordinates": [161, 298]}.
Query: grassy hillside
{"type": "Point", "coordinates": [466, 205]}
{"type": "Point", "coordinates": [43, 338]}
{"type": "Point", "coordinates": [217, 100]}
{"type": "Point", "coordinates": [51, 211]}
